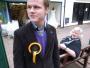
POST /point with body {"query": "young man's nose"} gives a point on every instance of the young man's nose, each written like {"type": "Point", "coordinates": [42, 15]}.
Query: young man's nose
{"type": "Point", "coordinates": [32, 9]}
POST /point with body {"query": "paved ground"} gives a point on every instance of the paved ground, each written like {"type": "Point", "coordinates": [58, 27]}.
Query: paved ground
{"type": "Point", "coordinates": [61, 32]}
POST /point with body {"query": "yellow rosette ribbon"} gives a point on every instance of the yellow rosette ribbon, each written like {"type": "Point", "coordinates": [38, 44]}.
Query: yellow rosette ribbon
{"type": "Point", "coordinates": [35, 52]}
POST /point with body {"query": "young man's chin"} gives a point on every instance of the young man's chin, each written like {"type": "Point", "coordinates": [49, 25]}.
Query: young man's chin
{"type": "Point", "coordinates": [33, 20]}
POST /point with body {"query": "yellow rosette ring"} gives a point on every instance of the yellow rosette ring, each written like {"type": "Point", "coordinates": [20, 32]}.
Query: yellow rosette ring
{"type": "Point", "coordinates": [35, 52]}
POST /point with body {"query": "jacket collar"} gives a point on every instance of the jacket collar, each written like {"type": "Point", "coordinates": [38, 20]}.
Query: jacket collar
{"type": "Point", "coordinates": [38, 28]}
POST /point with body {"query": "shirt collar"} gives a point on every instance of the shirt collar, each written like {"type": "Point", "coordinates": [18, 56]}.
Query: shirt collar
{"type": "Point", "coordinates": [39, 28]}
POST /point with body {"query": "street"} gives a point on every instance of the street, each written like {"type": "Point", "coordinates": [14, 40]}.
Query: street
{"type": "Point", "coordinates": [61, 32]}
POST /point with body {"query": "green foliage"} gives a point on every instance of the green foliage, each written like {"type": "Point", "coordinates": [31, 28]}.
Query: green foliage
{"type": "Point", "coordinates": [1, 18]}
{"type": "Point", "coordinates": [2, 5]}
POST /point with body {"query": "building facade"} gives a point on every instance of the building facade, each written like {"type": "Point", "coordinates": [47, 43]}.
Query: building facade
{"type": "Point", "coordinates": [67, 12]}
{"type": "Point", "coordinates": [77, 12]}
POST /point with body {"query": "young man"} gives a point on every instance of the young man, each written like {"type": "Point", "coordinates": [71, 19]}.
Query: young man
{"type": "Point", "coordinates": [36, 32]}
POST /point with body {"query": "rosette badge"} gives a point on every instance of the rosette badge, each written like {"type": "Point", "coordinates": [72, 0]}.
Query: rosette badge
{"type": "Point", "coordinates": [35, 49]}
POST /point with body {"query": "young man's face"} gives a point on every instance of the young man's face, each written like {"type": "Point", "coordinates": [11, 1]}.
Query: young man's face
{"type": "Point", "coordinates": [36, 11]}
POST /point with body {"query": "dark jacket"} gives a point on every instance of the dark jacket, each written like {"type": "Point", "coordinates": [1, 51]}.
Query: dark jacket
{"type": "Point", "coordinates": [23, 59]}
{"type": "Point", "coordinates": [73, 44]}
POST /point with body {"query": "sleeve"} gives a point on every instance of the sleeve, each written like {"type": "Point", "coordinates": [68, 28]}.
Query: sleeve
{"type": "Point", "coordinates": [18, 52]}
{"type": "Point", "coordinates": [56, 53]}
{"type": "Point", "coordinates": [75, 46]}
{"type": "Point", "coordinates": [66, 39]}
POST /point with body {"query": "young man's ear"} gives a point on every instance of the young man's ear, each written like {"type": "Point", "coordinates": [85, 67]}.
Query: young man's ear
{"type": "Point", "coordinates": [47, 10]}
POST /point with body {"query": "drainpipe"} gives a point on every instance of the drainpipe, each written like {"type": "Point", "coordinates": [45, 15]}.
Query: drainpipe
{"type": "Point", "coordinates": [64, 13]}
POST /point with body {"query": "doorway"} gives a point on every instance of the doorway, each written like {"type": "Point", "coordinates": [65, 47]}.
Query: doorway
{"type": "Point", "coordinates": [18, 12]}
{"type": "Point", "coordinates": [80, 13]}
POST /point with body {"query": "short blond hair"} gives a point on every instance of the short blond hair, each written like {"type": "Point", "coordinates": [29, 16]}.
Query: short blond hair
{"type": "Point", "coordinates": [77, 29]}
{"type": "Point", "coordinates": [46, 3]}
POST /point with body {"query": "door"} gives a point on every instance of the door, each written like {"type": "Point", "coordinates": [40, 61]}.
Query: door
{"type": "Point", "coordinates": [80, 16]}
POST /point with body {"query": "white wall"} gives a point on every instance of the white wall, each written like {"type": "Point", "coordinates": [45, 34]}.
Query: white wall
{"type": "Point", "coordinates": [58, 9]}
{"type": "Point", "coordinates": [83, 1]}
{"type": "Point", "coordinates": [57, 0]}
{"type": "Point", "coordinates": [69, 10]}
{"type": "Point", "coordinates": [61, 10]}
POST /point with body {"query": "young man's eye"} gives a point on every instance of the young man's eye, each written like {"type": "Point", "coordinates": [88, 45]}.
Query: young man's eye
{"type": "Point", "coordinates": [29, 7]}
{"type": "Point", "coordinates": [36, 7]}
